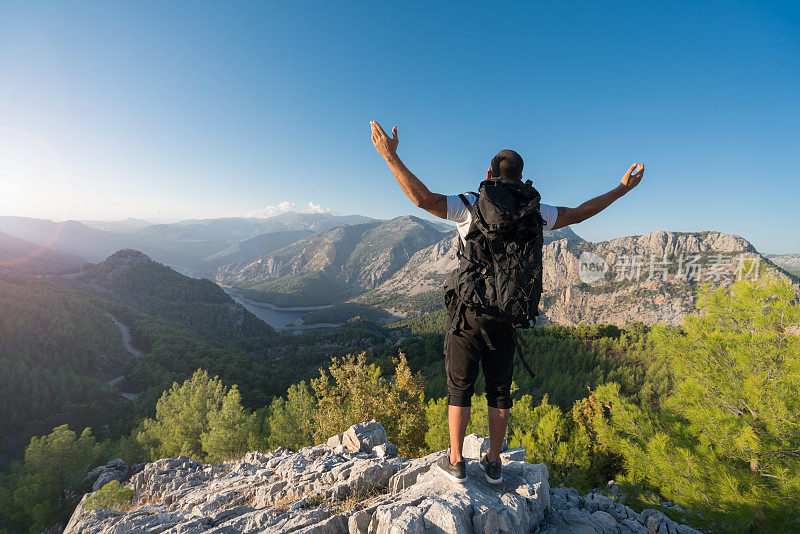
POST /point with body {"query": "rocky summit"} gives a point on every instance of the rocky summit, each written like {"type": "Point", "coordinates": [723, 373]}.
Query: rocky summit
{"type": "Point", "coordinates": [354, 483]}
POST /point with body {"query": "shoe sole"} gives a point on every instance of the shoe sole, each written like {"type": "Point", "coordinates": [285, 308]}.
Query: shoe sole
{"type": "Point", "coordinates": [489, 479]}
{"type": "Point", "coordinates": [452, 478]}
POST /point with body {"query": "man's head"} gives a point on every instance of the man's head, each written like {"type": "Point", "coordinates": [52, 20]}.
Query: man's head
{"type": "Point", "coordinates": [506, 163]}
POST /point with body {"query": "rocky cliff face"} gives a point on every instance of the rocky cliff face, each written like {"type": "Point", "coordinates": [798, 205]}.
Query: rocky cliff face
{"type": "Point", "coordinates": [361, 256]}
{"type": "Point", "coordinates": [355, 483]}
{"type": "Point", "coordinates": [425, 271]}
{"type": "Point", "coordinates": [649, 278]}
{"type": "Point", "coordinates": [427, 268]}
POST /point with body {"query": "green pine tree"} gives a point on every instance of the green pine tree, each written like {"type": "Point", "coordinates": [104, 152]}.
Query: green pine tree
{"type": "Point", "coordinates": [200, 418]}
{"type": "Point", "coordinates": [550, 437]}
{"type": "Point", "coordinates": [726, 441]}
{"type": "Point", "coordinates": [291, 420]}
{"type": "Point", "coordinates": [51, 473]}
{"type": "Point", "coordinates": [229, 432]}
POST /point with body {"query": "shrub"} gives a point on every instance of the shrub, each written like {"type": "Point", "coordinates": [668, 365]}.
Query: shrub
{"type": "Point", "coordinates": [112, 496]}
{"type": "Point", "coordinates": [291, 420]}
{"type": "Point", "coordinates": [350, 391]}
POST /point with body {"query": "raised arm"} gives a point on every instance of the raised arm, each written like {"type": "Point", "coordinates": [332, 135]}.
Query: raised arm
{"type": "Point", "coordinates": [590, 208]}
{"type": "Point", "coordinates": [411, 185]}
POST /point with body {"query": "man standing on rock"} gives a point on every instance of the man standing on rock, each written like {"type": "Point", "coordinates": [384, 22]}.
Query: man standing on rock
{"type": "Point", "coordinates": [482, 330]}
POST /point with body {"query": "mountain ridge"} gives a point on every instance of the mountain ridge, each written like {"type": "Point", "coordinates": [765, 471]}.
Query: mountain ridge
{"type": "Point", "coordinates": [131, 278]}
{"type": "Point", "coordinates": [183, 244]}
{"type": "Point", "coordinates": [378, 261]}
{"type": "Point", "coordinates": [359, 256]}
{"type": "Point", "coordinates": [568, 300]}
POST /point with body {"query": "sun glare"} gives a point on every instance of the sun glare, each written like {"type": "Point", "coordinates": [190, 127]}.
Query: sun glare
{"type": "Point", "coordinates": [34, 177]}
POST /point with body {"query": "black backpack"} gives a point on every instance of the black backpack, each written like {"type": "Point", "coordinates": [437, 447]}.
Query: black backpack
{"type": "Point", "coordinates": [499, 273]}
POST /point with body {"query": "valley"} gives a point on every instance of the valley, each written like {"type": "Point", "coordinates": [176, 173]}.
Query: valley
{"type": "Point", "coordinates": [274, 316]}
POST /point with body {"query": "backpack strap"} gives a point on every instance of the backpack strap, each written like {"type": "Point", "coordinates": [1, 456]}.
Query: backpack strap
{"type": "Point", "coordinates": [456, 321]}
{"type": "Point", "coordinates": [521, 340]}
{"type": "Point", "coordinates": [470, 207]}
{"type": "Point", "coordinates": [489, 344]}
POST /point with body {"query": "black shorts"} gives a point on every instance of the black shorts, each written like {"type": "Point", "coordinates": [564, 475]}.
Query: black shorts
{"type": "Point", "coordinates": [466, 349]}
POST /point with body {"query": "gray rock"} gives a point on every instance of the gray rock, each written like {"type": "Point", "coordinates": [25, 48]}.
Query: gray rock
{"type": "Point", "coordinates": [476, 445]}
{"type": "Point", "coordinates": [410, 470]}
{"type": "Point", "coordinates": [516, 454]}
{"type": "Point", "coordinates": [102, 475]}
{"type": "Point", "coordinates": [335, 441]}
{"type": "Point", "coordinates": [385, 450]}
{"type": "Point", "coordinates": [595, 513]}
{"type": "Point", "coordinates": [362, 437]}
{"type": "Point", "coordinates": [355, 483]}
{"type": "Point", "coordinates": [434, 504]}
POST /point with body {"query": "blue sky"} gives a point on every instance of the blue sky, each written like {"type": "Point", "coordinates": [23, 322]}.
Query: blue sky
{"type": "Point", "coordinates": [198, 109]}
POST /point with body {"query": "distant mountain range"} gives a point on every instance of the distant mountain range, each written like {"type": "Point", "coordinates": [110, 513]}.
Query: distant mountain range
{"type": "Point", "coordinates": [125, 225]}
{"type": "Point", "coordinates": [67, 236]}
{"type": "Point", "coordinates": [317, 259]}
{"type": "Point", "coordinates": [624, 293]}
{"type": "Point", "coordinates": [353, 258]}
{"type": "Point", "coordinates": [183, 245]}
{"type": "Point", "coordinates": [20, 255]}
{"type": "Point", "coordinates": [254, 247]}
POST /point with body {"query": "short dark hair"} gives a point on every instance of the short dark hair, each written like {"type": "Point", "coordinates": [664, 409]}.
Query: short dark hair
{"type": "Point", "coordinates": [507, 163]}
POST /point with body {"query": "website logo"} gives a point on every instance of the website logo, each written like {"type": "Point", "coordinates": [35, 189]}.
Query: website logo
{"type": "Point", "coordinates": [591, 267]}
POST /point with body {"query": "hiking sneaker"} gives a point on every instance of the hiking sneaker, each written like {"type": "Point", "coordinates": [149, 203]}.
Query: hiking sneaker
{"type": "Point", "coordinates": [493, 470]}
{"type": "Point", "coordinates": [456, 473]}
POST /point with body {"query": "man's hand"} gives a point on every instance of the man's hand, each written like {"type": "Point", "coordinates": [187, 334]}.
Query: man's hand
{"type": "Point", "coordinates": [385, 145]}
{"type": "Point", "coordinates": [411, 185]}
{"type": "Point", "coordinates": [632, 177]}
{"type": "Point", "coordinates": [590, 208]}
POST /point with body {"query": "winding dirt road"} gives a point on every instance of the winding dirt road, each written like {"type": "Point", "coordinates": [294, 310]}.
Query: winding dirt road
{"type": "Point", "coordinates": [125, 332]}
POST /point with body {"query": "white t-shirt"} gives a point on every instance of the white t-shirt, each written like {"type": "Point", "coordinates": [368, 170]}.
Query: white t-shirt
{"type": "Point", "coordinates": [458, 213]}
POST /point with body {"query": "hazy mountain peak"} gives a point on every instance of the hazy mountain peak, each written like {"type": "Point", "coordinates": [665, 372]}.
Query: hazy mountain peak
{"type": "Point", "coordinates": [127, 256]}
{"type": "Point", "coordinates": [20, 255]}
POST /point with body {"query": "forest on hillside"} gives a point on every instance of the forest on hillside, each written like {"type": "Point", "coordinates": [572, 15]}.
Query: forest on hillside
{"type": "Point", "coordinates": [131, 279]}
{"type": "Point", "coordinates": [312, 288]}
{"type": "Point", "coordinates": [60, 345]}
{"type": "Point", "coordinates": [646, 407]}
